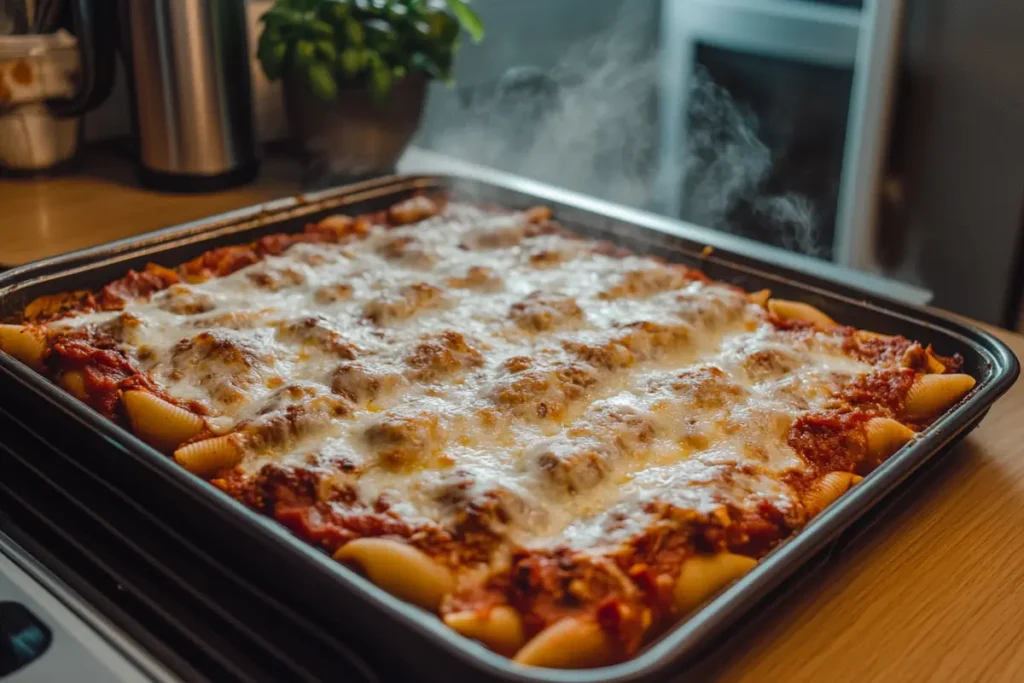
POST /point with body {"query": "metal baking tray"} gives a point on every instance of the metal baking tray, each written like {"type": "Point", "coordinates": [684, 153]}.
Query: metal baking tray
{"type": "Point", "coordinates": [412, 639]}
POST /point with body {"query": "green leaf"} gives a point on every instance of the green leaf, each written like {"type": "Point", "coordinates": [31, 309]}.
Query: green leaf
{"type": "Point", "coordinates": [300, 5]}
{"type": "Point", "coordinates": [321, 29]}
{"type": "Point", "coordinates": [355, 32]}
{"type": "Point", "coordinates": [467, 18]}
{"type": "Point", "coordinates": [269, 36]}
{"type": "Point", "coordinates": [442, 28]}
{"type": "Point", "coordinates": [381, 80]}
{"type": "Point", "coordinates": [305, 52]}
{"type": "Point", "coordinates": [279, 14]}
{"type": "Point", "coordinates": [321, 82]}
{"type": "Point", "coordinates": [422, 62]}
{"type": "Point", "coordinates": [443, 56]}
{"type": "Point", "coordinates": [353, 61]}
{"type": "Point", "coordinates": [272, 58]}
{"type": "Point", "coordinates": [381, 36]}
{"type": "Point", "coordinates": [397, 13]}
{"type": "Point", "coordinates": [326, 50]}
{"type": "Point", "coordinates": [335, 13]}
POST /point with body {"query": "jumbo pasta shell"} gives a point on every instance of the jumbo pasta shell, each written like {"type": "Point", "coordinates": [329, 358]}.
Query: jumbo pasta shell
{"type": "Point", "coordinates": [73, 382]}
{"type": "Point", "coordinates": [571, 643]}
{"type": "Point", "coordinates": [23, 343]}
{"type": "Point", "coordinates": [400, 569]}
{"type": "Point", "coordinates": [210, 456]}
{"type": "Point", "coordinates": [704, 575]}
{"type": "Point", "coordinates": [826, 490]}
{"type": "Point", "coordinates": [159, 423]}
{"type": "Point", "coordinates": [797, 310]}
{"type": "Point", "coordinates": [886, 436]}
{"type": "Point", "coordinates": [932, 395]}
{"type": "Point", "coordinates": [499, 628]}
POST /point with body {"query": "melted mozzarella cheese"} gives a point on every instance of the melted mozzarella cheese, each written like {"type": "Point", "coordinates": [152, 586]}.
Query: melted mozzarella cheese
{"type": "Point", "coordinates": [657, 387]}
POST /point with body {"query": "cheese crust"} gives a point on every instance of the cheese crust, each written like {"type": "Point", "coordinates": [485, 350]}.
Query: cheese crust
{"type": "Point", "coordinates": [553, 436]}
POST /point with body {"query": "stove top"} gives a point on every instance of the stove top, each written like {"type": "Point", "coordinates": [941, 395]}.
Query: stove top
{"type": "Point", "coordinates": [47, 632]}
{"type": "Point", "coordinates": [103, 590]}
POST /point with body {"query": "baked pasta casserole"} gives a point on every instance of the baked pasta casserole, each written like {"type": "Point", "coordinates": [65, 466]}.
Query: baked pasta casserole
{"type": "Point", "coordinates": [558, 447]}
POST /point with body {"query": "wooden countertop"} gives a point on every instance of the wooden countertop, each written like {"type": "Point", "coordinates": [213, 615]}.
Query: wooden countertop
{"type": "Point", "coordinates": [40, 218]}
{"type": "Point", "coordinates": [934, 593]}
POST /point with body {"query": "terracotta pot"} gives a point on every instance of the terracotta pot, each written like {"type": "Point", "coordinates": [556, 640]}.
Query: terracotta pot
{"type": "Point", "coordinates": [354, 137]}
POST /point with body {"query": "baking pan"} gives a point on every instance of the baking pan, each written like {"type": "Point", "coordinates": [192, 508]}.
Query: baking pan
{"type": "Point", "coordinates": [410, 638]}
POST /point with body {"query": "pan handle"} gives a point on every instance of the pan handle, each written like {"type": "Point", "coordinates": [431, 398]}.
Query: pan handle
{"type": "Point", "coordinates": [93, 23]}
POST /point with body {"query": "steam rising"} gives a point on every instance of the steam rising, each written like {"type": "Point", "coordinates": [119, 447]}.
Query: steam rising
{"type": "Point", "coordinates": [591, 125]}
{"type": "Point", "coordinates": [793, 219]}
{"type": "Point", "coordinates": [724, 159]}
{"type": "Point", "coordinates": [726, 164]}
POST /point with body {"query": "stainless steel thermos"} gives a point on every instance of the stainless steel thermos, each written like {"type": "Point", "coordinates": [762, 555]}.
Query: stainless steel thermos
{"type": "Point", "coordinates": [188, 67]}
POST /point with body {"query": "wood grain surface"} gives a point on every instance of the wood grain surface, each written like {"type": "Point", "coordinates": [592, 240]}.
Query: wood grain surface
{"type": "Point", "coordinates": [935, 592]}
{"type": "Point", "coordinates": [103, 202]}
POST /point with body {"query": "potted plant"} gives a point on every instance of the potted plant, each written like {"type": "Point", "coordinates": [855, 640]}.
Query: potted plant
{"type": "Point", "coordinates": [355, 73]}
